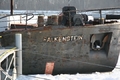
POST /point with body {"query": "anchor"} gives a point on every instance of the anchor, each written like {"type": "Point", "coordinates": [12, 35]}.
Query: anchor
{"type": "Point", "coordinates": [96, 43]}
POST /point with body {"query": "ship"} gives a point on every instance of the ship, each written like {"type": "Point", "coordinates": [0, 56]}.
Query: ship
{"type": "Point", "coordinates": [68, 43]}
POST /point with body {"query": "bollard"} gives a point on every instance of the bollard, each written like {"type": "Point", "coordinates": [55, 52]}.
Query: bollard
{"type": "Point", "coordinates": [18, 41]}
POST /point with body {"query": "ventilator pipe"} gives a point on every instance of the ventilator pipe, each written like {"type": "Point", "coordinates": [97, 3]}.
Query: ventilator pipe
{"type": "Point", "coordinates": [18, 39]}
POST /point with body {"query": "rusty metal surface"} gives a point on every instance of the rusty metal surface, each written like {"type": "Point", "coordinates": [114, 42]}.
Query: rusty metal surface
{"type": "Point", "coordinates": [69, 48]}
{"type": "Point", "coordinates": [49, 68]}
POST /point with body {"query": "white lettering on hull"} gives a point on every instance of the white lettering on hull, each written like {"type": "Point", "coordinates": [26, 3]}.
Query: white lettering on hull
{"type": "Point", "coordinates": [62, 39]}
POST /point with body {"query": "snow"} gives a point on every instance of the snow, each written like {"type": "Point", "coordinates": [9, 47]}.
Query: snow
{"type": "Point", "coordinates": [113, 75]}
{"type": "Point", "coordinates": [99, 76]}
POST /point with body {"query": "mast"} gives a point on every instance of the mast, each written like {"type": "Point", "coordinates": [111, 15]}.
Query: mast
{"type": "Point", "coordinates": [11, 6]}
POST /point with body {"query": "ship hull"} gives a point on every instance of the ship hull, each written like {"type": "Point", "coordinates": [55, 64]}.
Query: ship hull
{"type": "Point", "coordinates": [69, 49]}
